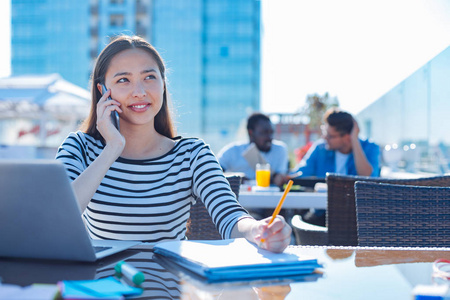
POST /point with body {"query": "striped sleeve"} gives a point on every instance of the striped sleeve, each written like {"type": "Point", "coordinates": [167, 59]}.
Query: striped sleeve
{"type": "Point", "coordinates": [210, 185]}
{"type": "Point", "coordinates": [75, 154]}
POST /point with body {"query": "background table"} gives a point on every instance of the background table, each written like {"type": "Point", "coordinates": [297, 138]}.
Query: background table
{"type": "Point", "coordinates": [297, 200]}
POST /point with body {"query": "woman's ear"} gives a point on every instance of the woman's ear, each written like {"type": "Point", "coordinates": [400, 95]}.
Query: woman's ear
{"type": "Point", "coordinates": [99, 87]}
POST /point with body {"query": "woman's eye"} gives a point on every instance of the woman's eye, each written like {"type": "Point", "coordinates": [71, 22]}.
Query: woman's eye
{"type": "Point", "coordinates": [122, 80]}
{"type": "Point", "coordinates": [150, 77]}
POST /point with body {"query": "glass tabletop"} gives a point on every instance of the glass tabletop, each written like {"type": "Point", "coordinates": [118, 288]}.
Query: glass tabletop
{"type": "Point", "coordinates": [348, 273]}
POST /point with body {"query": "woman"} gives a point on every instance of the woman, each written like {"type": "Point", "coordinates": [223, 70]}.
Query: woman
{"type": "Point", "coordinates": [139, 183]}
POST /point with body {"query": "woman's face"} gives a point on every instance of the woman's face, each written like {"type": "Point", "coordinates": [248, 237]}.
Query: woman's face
{"type": "Point", "coordinates": [135, 81]}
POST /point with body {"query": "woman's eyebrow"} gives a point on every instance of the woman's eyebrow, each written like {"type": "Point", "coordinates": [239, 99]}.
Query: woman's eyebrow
{"type": "Point", "coordinates": [148, 71]}
{"type": "Point", "coordinates": [121, 74]}
{"type": "Point", "coordinates": [128, 73]}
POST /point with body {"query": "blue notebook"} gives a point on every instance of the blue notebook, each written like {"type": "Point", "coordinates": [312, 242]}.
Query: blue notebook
{"type": "Point", "coordinates": [234, 260]}
{"type": "Point", "coordinates": [109, 288]}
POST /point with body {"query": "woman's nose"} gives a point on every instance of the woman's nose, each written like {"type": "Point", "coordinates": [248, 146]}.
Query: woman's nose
{"type": "Point", "coordinates": [138, 90]}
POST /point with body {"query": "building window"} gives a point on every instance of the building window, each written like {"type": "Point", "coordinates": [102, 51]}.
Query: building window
{"type": "Point", "coordinates": [224, 52]}
{"type": "Point", "coordinates": [116, 20]}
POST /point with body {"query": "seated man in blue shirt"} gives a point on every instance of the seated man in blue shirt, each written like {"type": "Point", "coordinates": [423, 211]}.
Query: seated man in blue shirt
{"type": "Point", "coordinates": [341, 151]}
{"type": "Point", "coordinates": [260, 133]}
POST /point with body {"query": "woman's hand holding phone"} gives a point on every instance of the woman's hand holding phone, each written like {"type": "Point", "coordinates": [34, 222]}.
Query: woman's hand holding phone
{"type": "Point", "coordinates": [107, 110]}
{"type": "Point", "coordinates": [114, 113]}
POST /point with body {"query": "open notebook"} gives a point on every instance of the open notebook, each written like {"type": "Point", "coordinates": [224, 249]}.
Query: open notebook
{"type": "Point", "coordinates": [233, 260]}
{"type": "Point", "coordinates": [40, 217]}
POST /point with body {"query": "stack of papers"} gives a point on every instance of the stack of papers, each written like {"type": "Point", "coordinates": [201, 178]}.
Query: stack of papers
{"type": "Point", "coordinates": [234, 260]}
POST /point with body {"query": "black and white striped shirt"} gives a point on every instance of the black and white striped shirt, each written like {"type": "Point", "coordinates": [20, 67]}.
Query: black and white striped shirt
{"type": "Point", "coordinates": [149, 200]}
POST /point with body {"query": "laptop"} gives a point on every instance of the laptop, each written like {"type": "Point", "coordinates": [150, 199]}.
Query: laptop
{"type": "Point", "coordinates": [40, 216]}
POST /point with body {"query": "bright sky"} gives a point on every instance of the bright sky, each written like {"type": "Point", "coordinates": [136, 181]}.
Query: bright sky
{"type": "Point", "coordinates": [355, 50]}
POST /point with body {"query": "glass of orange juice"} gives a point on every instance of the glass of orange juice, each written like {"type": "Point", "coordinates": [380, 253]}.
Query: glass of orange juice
{"type": "Point", "coordinates": [263, 175]}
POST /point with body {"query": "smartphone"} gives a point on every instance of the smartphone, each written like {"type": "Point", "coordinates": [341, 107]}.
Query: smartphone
{"type": "Point", "coordinates": [114, 114]}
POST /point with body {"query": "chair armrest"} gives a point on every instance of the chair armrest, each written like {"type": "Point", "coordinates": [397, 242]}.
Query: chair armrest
{"type": "Point", "coordinates": [308, 234]}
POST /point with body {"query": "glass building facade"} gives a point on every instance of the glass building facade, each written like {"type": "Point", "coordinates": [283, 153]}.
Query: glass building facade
{"type": "Point", "coordinates": [211, 49]}
{"type": "Point", "coordinates": [51, 36]}
{"type": "Point", "coordinates": [414, 116]}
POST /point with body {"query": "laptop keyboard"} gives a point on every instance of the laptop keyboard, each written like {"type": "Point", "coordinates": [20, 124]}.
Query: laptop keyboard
{"type": "Point", "coordinates": [100, 249]}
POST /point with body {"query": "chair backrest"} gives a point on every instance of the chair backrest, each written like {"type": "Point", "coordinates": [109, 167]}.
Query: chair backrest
{"type": "Point", "coordinates": [341, 209]}
{"type": "Point", "coordinates": [391, 215]}
{"type": "Point", "coordinates": [200, 225]}
{"type": "Point", "coordinates": [308, 234]}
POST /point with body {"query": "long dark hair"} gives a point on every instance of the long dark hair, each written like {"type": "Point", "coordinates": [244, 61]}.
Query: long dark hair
{"type": "Point", "coordinates": [163, 119]}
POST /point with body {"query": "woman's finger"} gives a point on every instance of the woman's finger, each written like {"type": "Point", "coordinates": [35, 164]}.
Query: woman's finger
{"type": "Point", "coordinates": [278, 224]}
{"type": "Point", "coordinates": [105, 96]}
{"type": "Point", "coordinates": [104, 106]}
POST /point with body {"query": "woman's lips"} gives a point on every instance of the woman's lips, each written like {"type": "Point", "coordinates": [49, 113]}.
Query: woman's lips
{"type": "Point", "coordinates": [139, 107]}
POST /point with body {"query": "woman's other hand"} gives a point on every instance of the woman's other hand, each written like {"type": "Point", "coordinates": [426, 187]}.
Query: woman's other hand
{"type": "Point", "coordinates": [274, 237]}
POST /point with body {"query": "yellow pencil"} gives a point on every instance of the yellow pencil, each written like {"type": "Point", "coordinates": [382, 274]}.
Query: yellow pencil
{"type": "Point", "coordinates": [280, 204]}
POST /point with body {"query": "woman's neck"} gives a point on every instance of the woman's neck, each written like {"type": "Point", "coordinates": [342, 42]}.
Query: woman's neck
{"type": "Point", "coordinates": [144, 143]}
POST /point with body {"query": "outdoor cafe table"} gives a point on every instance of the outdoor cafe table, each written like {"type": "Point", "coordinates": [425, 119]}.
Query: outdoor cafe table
{"type": "Point", "coordinates": [348, 273]}
{"type": "Point", "coordinates": [295, 200]}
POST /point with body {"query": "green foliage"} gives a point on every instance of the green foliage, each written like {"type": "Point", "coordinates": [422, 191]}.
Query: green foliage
{"type": "Point", "coordinates": [315, 107]}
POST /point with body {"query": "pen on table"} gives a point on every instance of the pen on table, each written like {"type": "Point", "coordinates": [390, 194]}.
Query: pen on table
{"type": "Point", "coordinates": [280, 204]}
{"type": "Point", "coordinates": [129, 272]}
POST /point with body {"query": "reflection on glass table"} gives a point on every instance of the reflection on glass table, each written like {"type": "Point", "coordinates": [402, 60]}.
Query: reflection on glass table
{"type": "Point", "coordinates": [349, 273]}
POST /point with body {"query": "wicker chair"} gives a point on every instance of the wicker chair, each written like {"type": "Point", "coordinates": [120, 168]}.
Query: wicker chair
{"type": "Point", "coordinates": [200, 225]}
{"type": "Point", "coordinates": [341, 227]}
{"type": "Point", "coordinates": [307, 233]}
{"type": "Point", "coordinates": [391, 215]}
